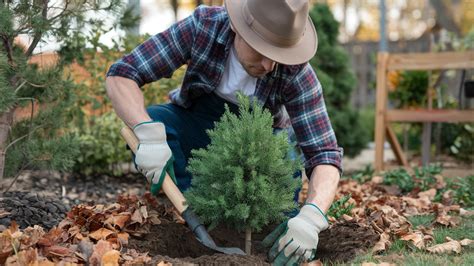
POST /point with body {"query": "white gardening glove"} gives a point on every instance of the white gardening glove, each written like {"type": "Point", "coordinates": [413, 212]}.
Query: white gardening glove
{"type": "Point", "coordinates": [296, 240]}
{"type": "Point", "coordinates": [153, 156]}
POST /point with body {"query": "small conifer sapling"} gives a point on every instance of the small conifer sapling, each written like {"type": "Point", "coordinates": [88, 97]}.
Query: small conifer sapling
{"type": "Point", "coordinates": [244, 178]}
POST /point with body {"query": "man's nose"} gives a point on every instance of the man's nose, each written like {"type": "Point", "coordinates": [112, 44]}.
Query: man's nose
{"type": "Point", "coordinates": [268, 64]}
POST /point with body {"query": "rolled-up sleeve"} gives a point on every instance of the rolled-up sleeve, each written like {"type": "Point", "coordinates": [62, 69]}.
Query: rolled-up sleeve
{"type": "Point", "coordinates": [160, 55]}
{"type": "Point", "coordinates": [310, 121]}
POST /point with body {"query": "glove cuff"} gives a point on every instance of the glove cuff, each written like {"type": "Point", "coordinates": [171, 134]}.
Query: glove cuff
{"type": "Point", "coordinates": [150, 131]}
{"type": "Point", "coordinates": [314, 214]}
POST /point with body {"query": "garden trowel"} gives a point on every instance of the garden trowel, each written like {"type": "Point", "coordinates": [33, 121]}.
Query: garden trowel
{"type": "Point", "coordinates": [179, 202]}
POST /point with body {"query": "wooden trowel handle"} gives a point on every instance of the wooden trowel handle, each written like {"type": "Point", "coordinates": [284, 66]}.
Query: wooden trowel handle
{"type": "Point", "coordinates": [169, 187]}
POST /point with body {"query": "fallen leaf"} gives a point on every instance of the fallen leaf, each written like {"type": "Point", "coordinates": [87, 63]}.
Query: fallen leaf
{"type": "Point", "coordinates": [123, 237]}
{"type": "Point", "coordinates": [448, 247]}
{"type": "Point", "coordinates": [99, 250]}
{"type": "Point", "coordinates": [137, 217]}
{"type": "Point", "coordinates": [447, 220]}
{"type": "Point", "coordinates": [416, 238]}
{"type": "Point", "coordinates": [440, 182]}
{"type": "Point", "coordinates": [164, 263]}
{"type": "Point", "coordinates": [110, 258]}
{"type": "Point", "coordinates": [377, 179]}
{"type": "Point", "coordinates": [466, 213]}
{"type": "Point", "coordinates": [311, 263]}
{"type": "Point", "coordinates": [24, 257]}
{"type": "Point", "coordinates": [102, 233]}
{"type": "Point", "coordinates": [430, 194]}
{"type": "Point", "coordinates": [58, 251]}
{"type": "Point", "coordinates": [383, 244]}
{"type": "Point", "coordinates": [118, 220]}
{"type": "Point", "coordinates": [466, 242]}
{"type": "Point", "coordinates": [377, 264]}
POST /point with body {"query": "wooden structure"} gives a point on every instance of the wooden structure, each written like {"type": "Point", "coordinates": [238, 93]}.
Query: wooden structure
{"type": "Point", "coordinates": [383, 117]}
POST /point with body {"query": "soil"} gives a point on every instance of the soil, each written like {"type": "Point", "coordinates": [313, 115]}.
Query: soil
{"type": "Point", "coordinates": [168, 241]}
{"type": "Point", "coordinates": [340, 243]}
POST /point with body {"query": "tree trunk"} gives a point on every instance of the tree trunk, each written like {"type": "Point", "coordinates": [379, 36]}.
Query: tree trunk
{"type": "Point", "coordinates": [248, 241]}
{"type": "Point", "coordinates": [6, 121]}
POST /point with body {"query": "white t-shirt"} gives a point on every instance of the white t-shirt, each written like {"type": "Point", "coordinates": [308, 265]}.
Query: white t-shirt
{"type": "Point", "coordinates": [235, 79]}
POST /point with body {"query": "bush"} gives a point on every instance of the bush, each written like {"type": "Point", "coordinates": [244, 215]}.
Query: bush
{"type": "Point", "coordinates": [244, 178]}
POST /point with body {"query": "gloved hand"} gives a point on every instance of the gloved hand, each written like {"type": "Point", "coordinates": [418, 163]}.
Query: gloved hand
{"type": "Point", "coordinates": [296, 240]}
{"type": "Point", "coordinates": [153, 156]}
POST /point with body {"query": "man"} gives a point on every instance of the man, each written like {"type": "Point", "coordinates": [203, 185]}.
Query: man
{"type": "Point", "coordinates": [257, 47]}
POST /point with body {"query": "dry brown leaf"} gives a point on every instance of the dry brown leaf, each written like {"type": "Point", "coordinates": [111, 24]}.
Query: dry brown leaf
{"type": "Point", "coordinates": [440, 182]}
{"type": "Point", "coordinates": [111, 258]}
{"type": "Point", "coordinates": [24, 257]}
{"type": "Point", "coordinates": [57, 251]}
{"type": "Point", "coordinates": [102, 233]}
{"type": "Point", "coordinates": [447, 220]}
{"type": "Point", "coordinates": [466, 242]}
{"type": "Point", "coordinates": [164, 263]}
{"type": "Point", "coordinates": [446, 248]}
{"type": "Point", "coordinates": [416, 238]}
{"type": "Point", "coordinates": [137, 217]}
{"type": "Point", "coordinates": [377, 264]}
{"type": "Point", "coordinates": [118, 219]}
{"type": "Point", "coordinates": [383, 244]}
{"type": "Point", "coordinates": [313, 263]}
{"type": "Point", "coordinates": [430, 194]}
{"type": "Point", "coordinates": [100, 249]}
{"type": "Point", "coordinates": [123, 237]}
{"type": "Point", "coordinates": [466, 213]}
{"type": "Point", "coordinates": [377, 179]}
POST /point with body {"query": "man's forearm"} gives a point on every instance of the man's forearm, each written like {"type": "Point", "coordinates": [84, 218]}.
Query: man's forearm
{"type": "Point", "coordinates": [322, 186]}
{"type": "Point", "coordinates": [127, 100]}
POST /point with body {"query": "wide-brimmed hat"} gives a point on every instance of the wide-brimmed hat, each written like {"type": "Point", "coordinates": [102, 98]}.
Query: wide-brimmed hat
{"type": "Point", "coordinates": [281, 30]}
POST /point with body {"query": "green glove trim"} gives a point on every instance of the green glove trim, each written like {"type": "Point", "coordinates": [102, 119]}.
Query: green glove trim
{"type": "Point", "coordinates": [146, 122]}
{"type": "Point", "coordinates": [155, 188]}
{"type": "Point", "coordinates": [314, 205]}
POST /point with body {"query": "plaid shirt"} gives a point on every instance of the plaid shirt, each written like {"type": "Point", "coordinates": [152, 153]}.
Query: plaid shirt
{"type": "Point", "coordinates": [203, 40]}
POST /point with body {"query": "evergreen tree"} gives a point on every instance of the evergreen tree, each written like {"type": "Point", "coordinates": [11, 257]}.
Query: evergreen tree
{"type": "Point", "coordinates": [331, 64]}
{"type": "Point", "coordinates": [244, 178]}
{"type": "Point", "coordinates": [39, 141]}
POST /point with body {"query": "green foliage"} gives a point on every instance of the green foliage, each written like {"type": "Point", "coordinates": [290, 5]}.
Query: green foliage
{"type": "Point", "coordinates": [364, 175]}
{"type": "Point", "coordinates": [461, 189]}
{"type": "Point", "coordinates": [99, 143]}
{"type": "Point", "coordinates": [423, 177]}
{"type": "Point", "coordinates": [331, 64]}
{"type": "Point", "coordinates": [340, 207]}
{"type": "Point", "coordinates": [401, 178]}
{"type": "Point", "coordinates": [463, 145]}
{"type": "Point", "coordinates": [411, 89]}
{"type": "Point", "coordinates": [42, 141]}
{"type": "Point", "coordinates": [244, 178]}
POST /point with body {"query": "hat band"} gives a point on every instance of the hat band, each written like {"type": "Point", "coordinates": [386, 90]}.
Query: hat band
{"type": "Point", "coordinates": [264, 33]}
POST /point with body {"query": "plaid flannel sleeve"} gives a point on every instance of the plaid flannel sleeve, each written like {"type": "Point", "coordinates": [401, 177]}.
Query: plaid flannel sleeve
{"type": "Point", "coordinates": [309, 117]}
{"type": "Point", "coordinates": [160, 55]}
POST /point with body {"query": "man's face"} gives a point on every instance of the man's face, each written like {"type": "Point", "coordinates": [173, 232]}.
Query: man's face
{"type": "Point", "coordinates": [253, 62]}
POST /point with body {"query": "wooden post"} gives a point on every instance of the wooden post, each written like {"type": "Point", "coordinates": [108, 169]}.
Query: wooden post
{"type": "Point", "coordinates": [397, 149]}
{"type": "Point", "coordinates": [380, 108]}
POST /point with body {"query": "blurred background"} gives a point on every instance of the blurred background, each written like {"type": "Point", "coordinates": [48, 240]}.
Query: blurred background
{"type": "Point", "coordinates": [350, 32]}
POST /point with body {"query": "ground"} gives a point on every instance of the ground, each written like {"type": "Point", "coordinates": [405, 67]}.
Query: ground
{"type": "Point", "coordinates": [44, 198]}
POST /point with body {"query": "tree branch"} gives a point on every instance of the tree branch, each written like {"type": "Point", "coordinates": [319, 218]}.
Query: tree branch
{"type": "Point", "coordinates": [38, 34]}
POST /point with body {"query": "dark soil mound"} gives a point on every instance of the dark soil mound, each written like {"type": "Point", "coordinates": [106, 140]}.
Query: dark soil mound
{"type": "Point", "coordinates": [175, 243]}
{"type": "Point", "coordinates": [343, 241]}
{"type": "Point", "coordinates": [28, 209]}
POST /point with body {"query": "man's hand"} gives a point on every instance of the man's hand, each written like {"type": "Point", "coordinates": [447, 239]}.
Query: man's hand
{"type": "Point", "coordinates": [153, 157]}
{"type": "Point", "coordinates": [296, 240]}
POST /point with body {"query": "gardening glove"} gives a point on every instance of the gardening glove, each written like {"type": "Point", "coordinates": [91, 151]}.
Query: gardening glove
{"type": "Point", "coordinates": [295, 241]}
{"type": "Point", "coordinates": [153, 157]}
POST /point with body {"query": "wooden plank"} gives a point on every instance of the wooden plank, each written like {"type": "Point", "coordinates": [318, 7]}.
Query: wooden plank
{"type": "Point", "coordinates": [447, 116]}
{"type": "Point", "coordinates": [431, 61]}
{"type": "Point", "coordinates": [396, 147]}
{"type": "Point", "coordinates": [380, 109]}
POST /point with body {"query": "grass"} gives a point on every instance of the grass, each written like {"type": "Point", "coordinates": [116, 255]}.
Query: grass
{"type": "Point", "coordinates": [401, 253]}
